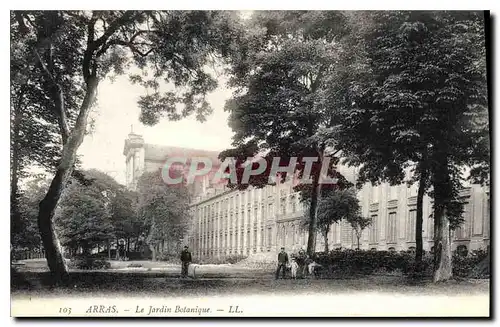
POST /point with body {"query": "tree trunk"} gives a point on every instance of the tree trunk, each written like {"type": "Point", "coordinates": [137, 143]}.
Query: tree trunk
{"type": "Point", "coordinates": [442, 188]}
{"type": "Point", "coordinates": [313, 208]}
{"type": "Point", "coordinates": [442, 246]}
{"type": "Point", "coordinates": [117, 254]}
{"type": "Point", "coordinates": [325, 236]}
{"type": "Point", "coordinates": [109, 249]}
{"type": "Point", "coordinates": [358, 237]}
{"type": "Point", "coordinates": [14, 168]}
{"type": "Point", "coordinates": [55, 259]}
{"type": "Point", "coordinates": [420, 219]}
{"type": "Point", "coordinates": [152, 247]}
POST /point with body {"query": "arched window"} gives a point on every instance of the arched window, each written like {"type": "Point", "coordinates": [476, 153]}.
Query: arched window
{"type": "Point", "coordinates": [373, 249]}
{"type": "Point", "coordinates": [411, 249]}
{"type": "Point", "coordinates": [391, 249]}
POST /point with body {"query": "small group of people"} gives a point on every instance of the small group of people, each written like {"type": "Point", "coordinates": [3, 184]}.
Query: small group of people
{"type": "Point", "coordinates": [298, 265]}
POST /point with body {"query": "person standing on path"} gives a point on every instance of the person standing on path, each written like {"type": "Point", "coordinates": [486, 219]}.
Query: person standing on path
{"type": "Point", "coordinates": [185, 261]}
{"type": "Point", "coordinates": [302, 261]}
{"type": "Point", "coordinates": [282, 263]}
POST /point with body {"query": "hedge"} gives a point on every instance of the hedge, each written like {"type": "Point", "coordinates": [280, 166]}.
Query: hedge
{"type": "Point", "coordinates": [89, 263]}
{"type": "Point", "coordinates": [349, 262]}
{"type": "Point", "coordinates": [232, 259]}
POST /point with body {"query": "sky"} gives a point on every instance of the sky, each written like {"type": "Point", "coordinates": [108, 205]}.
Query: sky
{"type": "Point", "coordinates": [117, 110]}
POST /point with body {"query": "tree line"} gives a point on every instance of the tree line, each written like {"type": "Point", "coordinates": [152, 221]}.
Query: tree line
{"type": "Point", "coordinates": [96, 212]}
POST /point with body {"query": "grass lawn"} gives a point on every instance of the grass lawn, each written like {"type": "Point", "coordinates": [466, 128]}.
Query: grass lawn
{"type": "Point", "coordinates": [39, 267]}
{"type": "Point", "coordinates": [334, 296]}
{"type": "Point", "coordinates": [230, 280]}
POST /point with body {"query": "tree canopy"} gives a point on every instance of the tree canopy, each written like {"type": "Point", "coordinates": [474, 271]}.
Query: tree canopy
{"type": "Point", "coordinates": [73, 51]}
{"type": "Point", "coordinates": [421, 102]}
{"type": "Point", "coordinates": [278, 75]}
{"type": "Point", "coordinates": [163, 210]}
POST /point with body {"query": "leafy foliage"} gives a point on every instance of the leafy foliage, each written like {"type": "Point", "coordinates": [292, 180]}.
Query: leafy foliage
{"type": "Point", "coordinates": [95, 212]}
{"type": "Point", "coordinates": [82, 217]}
{"type": "Point", "coordinates": [27, 235]}
{"type": "Point", "coordinates": [163, 209]}
{"type": "Point", "coordinates": [416, 100]}
{"type": "Point", "coordinates": [358, 224]}
{"type": "Point", "coordinates": [278, 75]}
{"type": "Point", "coordinates": [88, 263]}
{"type": "Point", "coordinates": [71, 51]}
{"type": "Point", "coordinates": [425, 87]}
{"type": "Point", "coordinates": [348, 262]}
{"type": "Point", "coordinates": [336, 206]}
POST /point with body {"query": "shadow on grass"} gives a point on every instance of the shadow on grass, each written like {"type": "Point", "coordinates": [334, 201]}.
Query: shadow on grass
{"type": "Point", "coordinates": [127, 284]}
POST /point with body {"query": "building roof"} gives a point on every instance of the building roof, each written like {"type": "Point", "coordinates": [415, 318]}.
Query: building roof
{"type": "Point", "coordinates": [155, 152]}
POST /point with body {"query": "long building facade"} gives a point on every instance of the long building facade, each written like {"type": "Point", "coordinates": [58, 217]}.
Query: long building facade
{"type": "Point", "coordinates": [263, 220]}
{"type": "Point", "coordinates": [230, 222]}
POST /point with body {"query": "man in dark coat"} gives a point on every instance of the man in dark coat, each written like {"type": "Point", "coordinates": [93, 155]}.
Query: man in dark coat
{"type": "Point", "coordinates": [185, 261]}
{"type": "Point", "coordinates": [282, 263]}
{"type": "Point", "coordinates": [302, 261]}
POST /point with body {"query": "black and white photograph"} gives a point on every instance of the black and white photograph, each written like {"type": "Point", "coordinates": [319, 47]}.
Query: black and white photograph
{"type": "Point", "coordinates": [250, 163]}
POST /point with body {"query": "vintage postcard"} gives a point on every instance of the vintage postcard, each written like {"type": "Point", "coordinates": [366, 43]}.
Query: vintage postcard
{"type": "Point", "coordinates": [194, 163]}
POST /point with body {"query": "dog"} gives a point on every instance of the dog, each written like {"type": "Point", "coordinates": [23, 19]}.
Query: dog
{"type": "Point", "coordinates": [294, 267]}
{"type": "Point", "coordinates": [312, 268]}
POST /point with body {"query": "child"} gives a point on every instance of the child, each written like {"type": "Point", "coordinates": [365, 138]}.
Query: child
{"type": "Point", "coordinates": [294, 267]}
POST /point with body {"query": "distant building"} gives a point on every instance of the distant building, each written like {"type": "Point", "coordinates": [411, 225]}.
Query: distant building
{"type": "Point", "coordinates": [228, 222]}
{"type": "Point", "coordinates": [142, 157]}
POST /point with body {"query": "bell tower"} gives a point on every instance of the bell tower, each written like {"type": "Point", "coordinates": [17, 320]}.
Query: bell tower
{"type": "Point", "coordinates": [134, 158]}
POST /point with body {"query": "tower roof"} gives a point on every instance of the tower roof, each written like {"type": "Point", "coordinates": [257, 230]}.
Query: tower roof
{"type": "Point", "coordinates": [154, 152]}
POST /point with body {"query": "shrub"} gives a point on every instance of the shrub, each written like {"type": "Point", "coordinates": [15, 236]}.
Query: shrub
{"type": "Point", "coordinates": [231, 259]}
{"type": "Point", "coordinates": [170, 257]}
{"type": "Point", "coordinates": [363, 262]}
{"type": "Point", "coordinates": [463, 266]}
{"type": "Point", "coordinates": [234, 258]}
{"type": "Point", "coordinates": [134, 265]}
{"type": "Point", "coordinates": [137, 255]}
{"type": "Point", "coordinates": [351, 262]}
{"type": "Point", "coordinates": [89, 263]}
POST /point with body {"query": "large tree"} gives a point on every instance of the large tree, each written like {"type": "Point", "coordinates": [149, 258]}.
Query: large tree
{"type": "Point", "coordinates": [163, 210]}
{"type": "Point", "coordinates": [420, 101]}
{"type": "Point", "coordinates": [94, 211]}
{"type": "Point", "coordinates": [82, 218]}
{"type": "Point", "coordinates": [278, 74]}
{"type": "Point", "coordinates": [34, 137]}
{"type": "Point", "coordinates": [80, 48]}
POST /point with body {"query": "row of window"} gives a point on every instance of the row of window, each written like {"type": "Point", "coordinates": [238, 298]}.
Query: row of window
{"type": "Point", "coordinates": [210, 222]}
{"type": "Point", "coordinates": [236, 202]}
{"type": "Point", "coordinates": [221, 222]}
{"type": "Point", "coordinates": [393, 192]}
{"type": "Point", "coordinates": [227, 240]}
{"type": "Point", "coordinates": [462, 232]}
{"type": "Point", "coordinates": [210, 215]}
{"type": "Point", "coordinates": [292, 234]}
{"type": "Point", "coordinates": [392, 231]}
